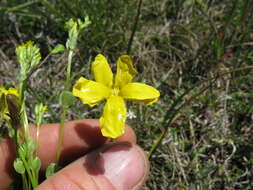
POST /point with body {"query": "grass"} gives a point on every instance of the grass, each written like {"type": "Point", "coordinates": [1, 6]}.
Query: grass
{"type": "Point", "coordinates": [190, 50]}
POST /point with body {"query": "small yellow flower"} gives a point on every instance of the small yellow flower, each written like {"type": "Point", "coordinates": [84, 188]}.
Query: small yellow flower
{"type": "Point", "coordinates": [114, 90]}
{"type": "Point", "coordinates": [44, 108]}
{"type": "Point", "coordinates": [25, 45]}
{"type": "Point", "coordinates": [4, 108]}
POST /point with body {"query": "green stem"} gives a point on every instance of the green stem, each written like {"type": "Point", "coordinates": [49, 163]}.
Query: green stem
{"type": "Point", "coordinates": [68, 76]}
{"type": "Point", "coordinates": [24, 119]}
{"type": "Point", "coordinates": [37, 137]}
{"type": "Point", "coordinates": [21, 90]}
{"type": "Point", "coordinates": [134, 28]}
{"type": "Point", "coordinates": [30, 173]}
{"type": "Point", "coordinates": [25, 183]}
{"type": "Point", "coordinates": [64, 109]}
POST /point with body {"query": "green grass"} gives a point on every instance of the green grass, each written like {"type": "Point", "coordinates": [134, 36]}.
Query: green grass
{"type": "Point", "coordinates": [181, 47]}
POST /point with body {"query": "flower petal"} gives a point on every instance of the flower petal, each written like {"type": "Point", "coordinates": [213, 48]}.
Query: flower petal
{"type": "Point", "coordinates": [140, 92]}
{"type": "Point", "coordinates": [102, 71]}
{"type": "Point", "coordinates": [125, 71]}
{"type": "Point", "coordinates": [12, 91]}
{"type": "Point", "coordinates": [113, 119]}
{"type": "Point", "coordinates": [90, 92]}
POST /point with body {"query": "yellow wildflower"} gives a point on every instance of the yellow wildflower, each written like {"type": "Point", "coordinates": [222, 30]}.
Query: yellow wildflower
{"type": "Point", "coordinates": [4, 104]}
{"type": "Point", "coordinates": [26, 45]}
{"type": "Point", "coordinates": [114, 90]}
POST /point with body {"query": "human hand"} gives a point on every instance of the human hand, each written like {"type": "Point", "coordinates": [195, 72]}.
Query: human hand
{"type": "Point", "coordinates": [93, 163]}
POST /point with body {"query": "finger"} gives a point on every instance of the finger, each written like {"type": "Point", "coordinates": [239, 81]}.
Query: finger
{"type": "Point", "coordinates": [79, 137]}
{"type": "Point", "coordinates": [120, 166]}
{"type": "Point", "coordinates": [7, 156]}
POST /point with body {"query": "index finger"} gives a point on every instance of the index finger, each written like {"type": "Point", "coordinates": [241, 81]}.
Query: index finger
{"type": "Point", "coordinates": [79, 137]}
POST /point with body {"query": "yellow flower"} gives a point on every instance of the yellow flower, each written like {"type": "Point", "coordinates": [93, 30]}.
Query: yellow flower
{"type": "Point", "coordinates": [5, 102]}
{"type": "Point", "coordinates": [25, 45]}
{"type": "Point", "coordinates": [114, 90]}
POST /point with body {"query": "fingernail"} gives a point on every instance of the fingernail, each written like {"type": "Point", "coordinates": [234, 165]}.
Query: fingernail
{"type": "Point", "coordinates": [125, 165]}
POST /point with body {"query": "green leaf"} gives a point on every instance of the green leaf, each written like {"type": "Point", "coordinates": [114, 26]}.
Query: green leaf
{"type": "Point", "coordinates": [31, 146]}
{"type": "Point", "coordinates": [66, 98]}
{"type": "Point", "coordinates": [11, 132]}
{"type": "Point", "coordinates": [36, 164]}
{"type": "Point", "coordinates": [51, 169]}
{"type": "Point", "coordinates": [19, 166]}
{"type": "Point", "coordinates": [58, 49]}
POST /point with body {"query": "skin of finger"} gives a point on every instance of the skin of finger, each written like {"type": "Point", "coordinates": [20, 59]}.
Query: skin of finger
{"type": "Point", "coordinates": [78, 175]}
{"type": "Point", "coordinates": [7, 157]}
{"type": "Point", "coordinates": [80, 136]}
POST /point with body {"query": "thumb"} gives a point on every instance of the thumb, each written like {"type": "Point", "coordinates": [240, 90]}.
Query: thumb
{"type": "Point", "coordinates": [121, 166]}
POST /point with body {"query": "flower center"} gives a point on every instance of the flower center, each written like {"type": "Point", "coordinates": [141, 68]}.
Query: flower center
{"type": "Point", "coordinates": [115, 91]}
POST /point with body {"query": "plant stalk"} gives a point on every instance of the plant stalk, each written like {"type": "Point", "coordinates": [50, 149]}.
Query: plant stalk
{"type": "Point", "coordinates": [64, 109]}
{"type": "Point", "coordinates": [137, 17]}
